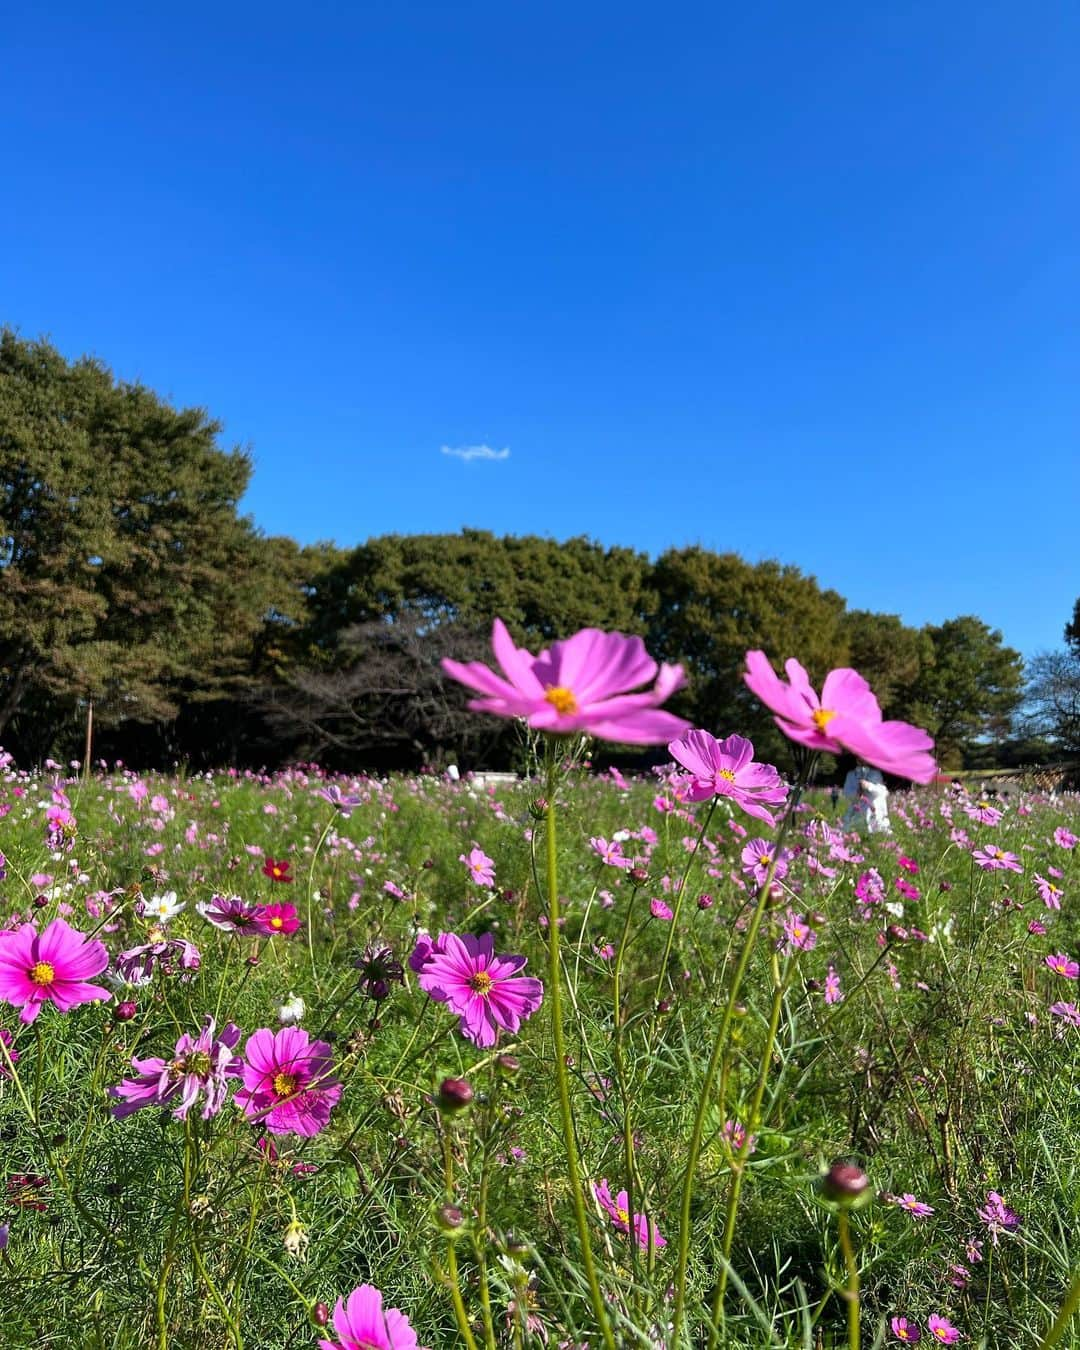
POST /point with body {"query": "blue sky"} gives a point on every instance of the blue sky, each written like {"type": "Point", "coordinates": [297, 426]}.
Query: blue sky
{"type": "Point", "coordinates": [794, 281]}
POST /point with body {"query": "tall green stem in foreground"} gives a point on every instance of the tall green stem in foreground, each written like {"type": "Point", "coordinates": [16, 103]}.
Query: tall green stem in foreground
{"type": "Point", "coordinates": [562, 1081]}
{"type": "Point", "coordinates": [719, 1046]}
{"type": "Point", "coordinates": [1066, 1313]}
{"type": "Point", "coordinates": [851, 1293]}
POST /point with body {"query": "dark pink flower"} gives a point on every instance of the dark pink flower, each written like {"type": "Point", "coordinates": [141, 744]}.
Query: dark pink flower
{"type": "Point", "coordinates": [905, 1331]}
{"type": "Point", "coordinates": [1061, 964]}
{"type": "Point", "coordinates": [727, 769]}
{"type": "Point", "coordinates": [53, 967]}
{"type": "Point", "coordinates": [278, 918]}
{"type": "Point", "coordinates": [288, 1082]}
{"type": "Point", "coordinates": [845, 717]}
{"type": "Point", "coordinates": [581, 684]}
{"type": "Point", "coordinates": [361, 1323]}
{"type": "Point", "coordinates": [485, 990]}
{"type": "Point", "coordinates": [232, 913]}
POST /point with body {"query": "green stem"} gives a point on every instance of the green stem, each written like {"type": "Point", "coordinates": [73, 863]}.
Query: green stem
{"type": "Point", "coordinates": [310, 893]}
{"type": "Point", "coordinates": [749, 1125]}
{"type": "Point", "coordinates": [851, 1293]}
{"type": "Point", "coordinates": [719, 1046]}
{"type": "Point", "coordinates": [664, 960]}
{"type": "Point", "coordinates": [562, 1082]}
{"type": "Point", "coordinates": [451, 1256]}
{"type": "Point", "coordinates": [1066, 1313]}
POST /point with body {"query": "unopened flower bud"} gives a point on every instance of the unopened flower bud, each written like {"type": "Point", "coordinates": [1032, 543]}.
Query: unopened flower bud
{"type": "Point", "coordinates": [896, 933]}
{"type": "Point", "coordinates": [450, 1219]}
{"type": "Point", "coordinates": [455, 1094]}
{"type": "Point", "coordinates": [538, 808]}
{"type": "Point", "coordinates": [125, 1011]}
{"type": "Point", "coordinates": [507, 1065]}
{"type": "Point", "coordinates": [704, 902]}
{"type": "Point", "coordinates": [845, 1184]}
{"type": "Point", "coordinates": [40, 901]}
{"type": "Point", "coordinates": [428, 864]}
{"type": "Point", "coordinates": [638, 875]}
{"type": "Point", "coordinates": [320, 1314]}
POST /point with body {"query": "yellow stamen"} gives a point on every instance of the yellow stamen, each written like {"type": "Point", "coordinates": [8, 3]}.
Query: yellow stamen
{"type": "Point", "coordinates": [277, 921]}
{"type": "Point", "coordinates": [42, 974]}
{"type": "Point", "coordinates": [728, 774]}
{"type": "Point", "coordinates": [481, 983]}
{"type": "Point", "coordinates": [821, 717]}
{"type": "Point", "coordinates": [562, 699]}
{"type": "Point", "coordinates": [284, 1084]}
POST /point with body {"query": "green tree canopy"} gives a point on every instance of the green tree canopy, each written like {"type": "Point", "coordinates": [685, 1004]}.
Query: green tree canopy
{"type": "Point", "coordinates": [126, 573]}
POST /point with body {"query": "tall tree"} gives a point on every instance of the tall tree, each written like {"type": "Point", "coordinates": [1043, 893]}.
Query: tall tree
{"type": "Point", "coordinates": [968, 689]}
{"type": "Point", "coordinates": [126, 573]}
{"type": "Point", "coordinates": [1052, 705]}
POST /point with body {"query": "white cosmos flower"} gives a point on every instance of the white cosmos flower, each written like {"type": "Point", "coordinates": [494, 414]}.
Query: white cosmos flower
{"type": "Point", "coordinates": [292, 1010]}
{"type": "Point", "coordinates": [162, 907]}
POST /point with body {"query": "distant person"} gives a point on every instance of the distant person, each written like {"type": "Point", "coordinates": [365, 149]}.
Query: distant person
{"type": "Point", "coordinates": [834, 794]}
{"type": "Point", "coordinates": [868, 801]}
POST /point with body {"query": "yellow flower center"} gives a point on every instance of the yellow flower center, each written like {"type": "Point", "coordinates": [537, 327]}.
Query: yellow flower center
{"type": "Point", "coordinates": [821, 717]}
{"type": "Point", "coordinates": [42, 973]}
{"type": "Point", "coordinates": [561, 699]}
{"type": "Point", "coordinates": [481, 983]}
{"type": "Point", "coordinates": [728, 774]}
{"type": "Point", "coordinates": [284, 1084]}
{"type": "Point", "coordinates": [276, 921]}
{"type": "Point", "coordinates": [624, 1217]}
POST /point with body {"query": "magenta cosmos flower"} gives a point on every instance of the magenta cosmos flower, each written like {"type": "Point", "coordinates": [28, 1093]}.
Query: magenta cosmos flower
{"type": "Point", "coordinates": [288, 1082]}
{"type": "Point", "coordinates": [361, 1323]}
{"type": "Point", "coordinates": [53, 967]}
{"type": "Point", "coordinates": [485, 990]}
{"type": "Point", "coordinates": [905, 1330]}
{"type": "Point", "coordinates": [727, 769]}
{"type": "Point", "coordinates": [845, 717]}
{"type": "Point", "coordinates": [579, 685]}
{"type": "Point", "coordinates": [617, 1208]}
{"type": "Point", "coordinates": [942, 1330]}
{"type": "Point", "coordinates": [201, 1066]}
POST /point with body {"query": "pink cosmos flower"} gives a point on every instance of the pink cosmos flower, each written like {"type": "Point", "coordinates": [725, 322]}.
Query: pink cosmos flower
{"type": "Point", "coordinates": [1064, 838]}
{"type": "Point", "coordinates": [579, 685]}
{"type": "Point", "coordinates": [1060, 964]}
{"type": "Point", "coordinates": [734, 1135]}
{"type": "Point", "coordinates": [983, 812]}
{"type": "Point", "coordinates": [278, 918]}
{"type": "Point", "coordinates": [485, 990]}
{"type": "Point", "coordinates": [1049, 894]}
{"type": "Point", "coordinates": [660, 910]}
{"type": "Point", "coordinates": [833, 992]}
{"type": "Point", "coordinates": [618, 1209]}
{"type": "Point", "coordinates": [756, 857]}
{"type": "Point", "coordinates": [424, 949]}
{"type": "Point", "coordinates": [1068, 1012]}
{"type": "Point", "coordinates": [846, 717]}
{"type": "Point", "coordinates": [232, 913]}
{"type": "Point", "coordinates": [52, 967]}
{"type": "Point", "coordinates": [361, 1323]}
{"type": "Point", "coordinates": [942, 1330]}
{"type": "Point", "coordinates": [994, 859]}
{"type": "Point", "coordinates": [905, 1331]}
{"type": "Point", "coordinates": [727, 769]}
{"type": "Point", "coordinates": [998, 1217]}
{"type": "Point", "coordinates": [288, 1082]}
{"type": "Point", "coordinates": [611, 855]}
{"type": "Point", "coordinates": [137, 964]}
{"type": "Point", "coordinates": [200, 1066]}
{"type": "Point", "coordinates": [798, 935]}
{"type": "Point", "coordinates": [480, 867]}
{"type": "Point", "coordinates": [916, 1208]}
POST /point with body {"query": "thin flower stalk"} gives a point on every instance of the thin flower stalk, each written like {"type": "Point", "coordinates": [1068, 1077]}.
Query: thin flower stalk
{"type": "Point", "coordinates": [562, 1081]}
{"type": "Point", "coordinates": [679, 896]}
{"type": "Point", "coordinates": [720, 1043]}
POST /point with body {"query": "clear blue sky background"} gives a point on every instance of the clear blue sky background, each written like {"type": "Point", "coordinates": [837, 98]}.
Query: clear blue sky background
{"type": "Point", "coordinates": [800, 281]}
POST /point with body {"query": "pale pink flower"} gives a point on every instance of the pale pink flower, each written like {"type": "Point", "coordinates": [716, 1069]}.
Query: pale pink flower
{"type": "Point", "coordinates": [727, 768]}
{"type": "Point", "coordinates": [361, 1323]}
{"type": "Point", "coordinates": [618, 1207]}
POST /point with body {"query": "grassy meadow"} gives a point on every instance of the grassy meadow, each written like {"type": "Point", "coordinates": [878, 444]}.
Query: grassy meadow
{"type": "Point", "coordinates": [907, 1008]}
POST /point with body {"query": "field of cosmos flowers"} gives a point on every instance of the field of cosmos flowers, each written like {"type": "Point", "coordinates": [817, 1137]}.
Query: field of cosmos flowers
{"type": "Point", "coordinates": [670, 1061]}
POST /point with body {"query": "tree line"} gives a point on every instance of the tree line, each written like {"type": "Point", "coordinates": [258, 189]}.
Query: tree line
{"type": "Point", "coordinates": [130, 581]}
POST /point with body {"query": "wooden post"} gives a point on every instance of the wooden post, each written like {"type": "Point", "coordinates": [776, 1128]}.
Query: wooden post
{"type": "Point", "coordinates": [89, 738]}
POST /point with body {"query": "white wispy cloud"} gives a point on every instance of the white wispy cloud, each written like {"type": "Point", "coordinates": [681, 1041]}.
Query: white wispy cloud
{"type": "Point", "coordinates": [469, 452]}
